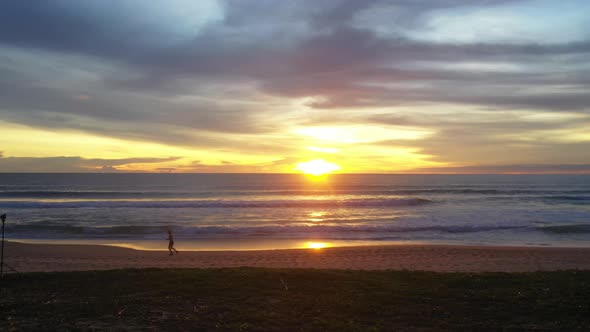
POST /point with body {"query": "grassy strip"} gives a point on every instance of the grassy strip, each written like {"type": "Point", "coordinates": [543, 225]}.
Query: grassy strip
{"type": "Point", "coordinates": [258, 299]}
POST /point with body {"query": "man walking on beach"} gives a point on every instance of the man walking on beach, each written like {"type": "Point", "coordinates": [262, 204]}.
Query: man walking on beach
{"type": "Point", "coordinates": [171, 243]}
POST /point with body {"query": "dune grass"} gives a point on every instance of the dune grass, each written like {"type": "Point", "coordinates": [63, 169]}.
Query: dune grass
{"type": "Point", "coordinates": [259, 299]}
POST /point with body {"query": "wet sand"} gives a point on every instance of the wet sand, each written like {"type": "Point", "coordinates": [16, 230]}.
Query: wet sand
{"type": "Point", "coordinates": [442, 258]}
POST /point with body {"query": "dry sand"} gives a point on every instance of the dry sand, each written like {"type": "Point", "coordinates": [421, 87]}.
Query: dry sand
{"type": "Point", "coordinates": [444, 258]}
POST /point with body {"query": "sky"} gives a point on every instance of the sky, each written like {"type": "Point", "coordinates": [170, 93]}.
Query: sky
{"type": "Point", "coordinates": [258, 86]}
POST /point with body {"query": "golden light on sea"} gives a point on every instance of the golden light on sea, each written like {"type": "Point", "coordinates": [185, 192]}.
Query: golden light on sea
{"type": "Point", "coordinates": [316, 216]}
{"type": "Point", "coordinates": [316, 245]}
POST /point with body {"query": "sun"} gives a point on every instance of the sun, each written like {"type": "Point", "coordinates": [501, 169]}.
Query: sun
{"type": "Point", "coordinates": [317, 167]}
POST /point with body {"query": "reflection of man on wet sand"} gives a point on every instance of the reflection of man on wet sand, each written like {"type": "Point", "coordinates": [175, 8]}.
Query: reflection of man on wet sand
{"type": "Point", "coordinates": [171, 243]}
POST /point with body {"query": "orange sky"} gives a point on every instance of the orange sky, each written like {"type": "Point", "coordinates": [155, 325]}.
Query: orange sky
{"type": "Point", "coordinates": [217, 86]}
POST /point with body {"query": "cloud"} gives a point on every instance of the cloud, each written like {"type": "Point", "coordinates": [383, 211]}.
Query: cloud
{"type": "Point", "coordinates": [240, 75]}
{"type": "Point", "coordinates": [379, 73]}
{"type": "Point", "coordinates": [465, 137]}
{"type": "Point", "coordinates": [73, 164]}
{"type": "Point", "coordinates": [237, 46]}
{"type": "Point", "coordinates": [105, 28]}
{"type": "Point", "coordinates": [130, 115]}
{"type": "Point", "coordinates": [83, 97]}
{"type": "Point", "coordinates": [512, 169]}
{"type": "Point", "coordinates": [224, 166]}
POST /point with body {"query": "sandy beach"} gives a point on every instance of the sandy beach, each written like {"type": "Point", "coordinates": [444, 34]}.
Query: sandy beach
{"type": "Point", "coordinates": [26, 257]}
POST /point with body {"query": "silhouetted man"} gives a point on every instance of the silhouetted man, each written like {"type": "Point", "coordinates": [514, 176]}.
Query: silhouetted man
{"type": "Point", "coordinates": [171, 243]}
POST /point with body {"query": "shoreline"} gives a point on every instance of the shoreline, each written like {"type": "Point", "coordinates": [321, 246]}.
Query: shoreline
{"type": "Point", "coordinates": [27, 257]}
{"type": "Point", "coordinates": [257, 244]}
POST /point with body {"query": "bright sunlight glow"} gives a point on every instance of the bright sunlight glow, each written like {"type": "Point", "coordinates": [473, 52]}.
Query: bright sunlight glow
{"type": "Point", "coordinates": [316, 245]}
{"type": "Point", "coordinates": [317, 167]}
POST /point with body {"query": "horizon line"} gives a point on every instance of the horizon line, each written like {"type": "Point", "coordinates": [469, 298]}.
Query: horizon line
{"type": "Point", "coordinates": [261, 173]}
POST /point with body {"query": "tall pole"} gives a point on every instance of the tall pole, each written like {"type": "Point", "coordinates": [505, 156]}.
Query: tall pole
{"type": "Point", "coordinates": [3, 217]}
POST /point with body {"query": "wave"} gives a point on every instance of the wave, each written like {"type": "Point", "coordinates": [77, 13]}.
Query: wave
{"type": "Point", "coordinates": [567, 198]}
{"type": "Point", "coordinates": [64, 194]}
{"type": "Point", "coordinates": [567, 229]}
{"type": "Point", "coordinates": [318, 203]}
{"type": "Point", "coordinates": [42, 230]}
{"type": "Point", "coordinates": [98, 194]}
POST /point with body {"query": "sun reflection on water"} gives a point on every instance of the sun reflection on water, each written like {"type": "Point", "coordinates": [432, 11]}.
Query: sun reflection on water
{"type": "Point", "coordinates": [316, 216]}
{"type": "Point", "coordinates": [316, 245]}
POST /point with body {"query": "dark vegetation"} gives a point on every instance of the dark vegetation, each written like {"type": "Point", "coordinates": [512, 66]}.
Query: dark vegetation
{"type": "Point", "coordinates": [257, 299]}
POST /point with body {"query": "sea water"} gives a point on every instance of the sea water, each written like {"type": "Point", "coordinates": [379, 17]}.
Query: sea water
{"type": "Point", "coordinates": [252, 211]}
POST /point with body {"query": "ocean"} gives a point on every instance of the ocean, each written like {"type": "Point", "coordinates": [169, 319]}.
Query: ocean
{"type": "Point", "coordinates": [271, 211]}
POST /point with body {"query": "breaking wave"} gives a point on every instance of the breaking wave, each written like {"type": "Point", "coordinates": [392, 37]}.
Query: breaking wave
{"type": "Point", "coordinates": [313, 203]}
{"type": "Point", "coordinates": [566, 229]}
{"type": "Point", "coordinates": [42, 230]}
{"type": "Point", "coordinates": [66, 194]}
